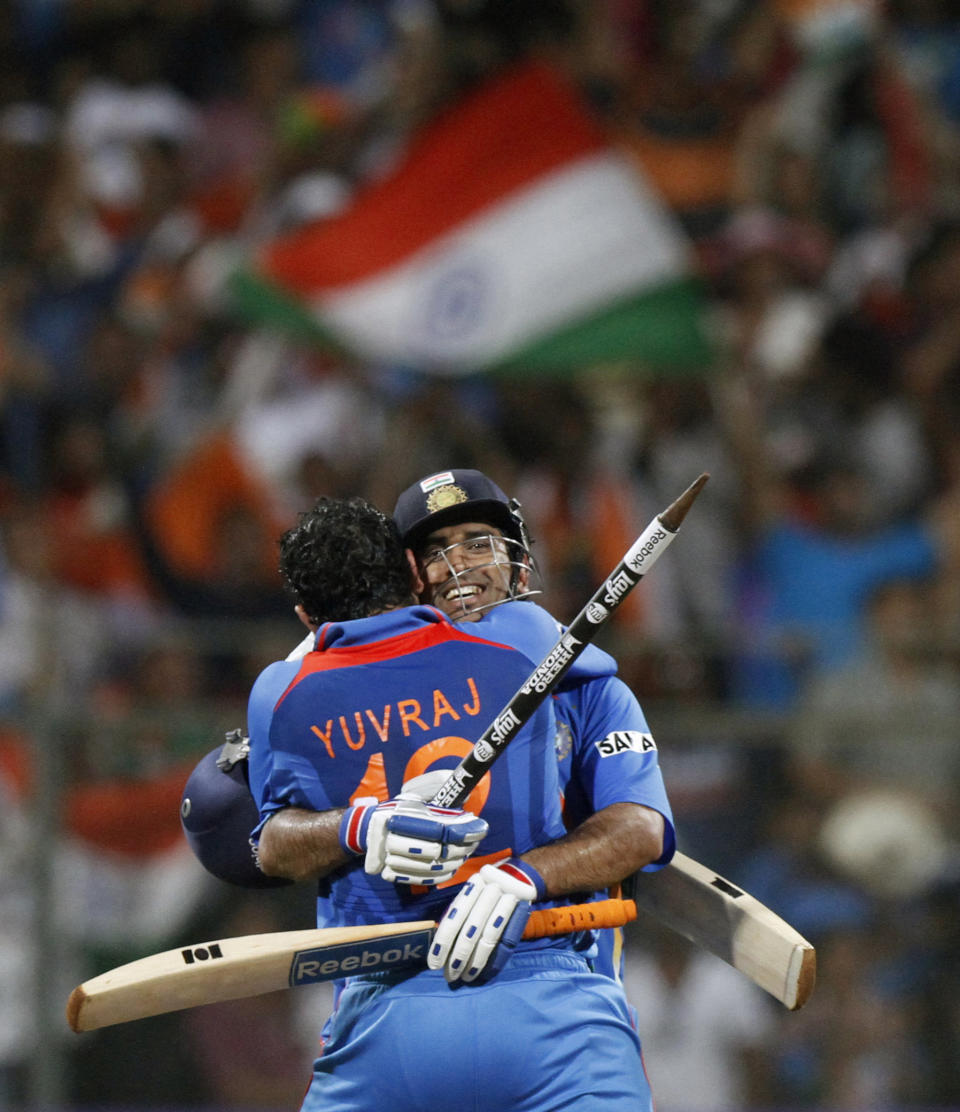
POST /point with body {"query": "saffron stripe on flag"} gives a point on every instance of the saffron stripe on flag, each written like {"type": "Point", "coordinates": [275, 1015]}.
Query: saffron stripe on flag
{"type": "Point", "coordinates": [511, 235]}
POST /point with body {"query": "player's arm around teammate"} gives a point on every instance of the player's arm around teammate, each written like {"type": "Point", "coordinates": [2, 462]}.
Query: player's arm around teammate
{"type": "Point", "coordinates": [472, 551]}
{"type": "Point", "coordinates": [403, 839]}
{"type": "Point", "coordinates": [546, 1031]}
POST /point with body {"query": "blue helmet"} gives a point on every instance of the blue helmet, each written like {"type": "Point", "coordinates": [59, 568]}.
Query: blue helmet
{"type": "Point", "coordinates": [217, 813]}
{"type": "Point", "coordinates": [450, 497]}
{"type": "Point", "coordinates": [453, 497]}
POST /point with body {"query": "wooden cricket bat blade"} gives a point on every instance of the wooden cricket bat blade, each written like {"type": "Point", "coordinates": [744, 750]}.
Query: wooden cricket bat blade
{"type": "Point", "coordinates": [245, 966]}
{"type": "Point", "coordinates": [716, 915]}
{"type": "Point", "coordinates": [252, 964]}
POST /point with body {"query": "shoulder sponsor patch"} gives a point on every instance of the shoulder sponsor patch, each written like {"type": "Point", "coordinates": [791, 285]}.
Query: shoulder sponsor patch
{"type": "Point", "coordinates": [625, 741]}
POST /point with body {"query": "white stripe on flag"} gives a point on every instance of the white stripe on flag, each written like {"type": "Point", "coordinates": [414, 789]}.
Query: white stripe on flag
{"type": "Point", "coordinates": [547, 256]}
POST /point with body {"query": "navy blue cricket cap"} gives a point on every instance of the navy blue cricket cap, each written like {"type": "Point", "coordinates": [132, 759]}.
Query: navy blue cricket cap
{"type": "Point", "coordinates": [217, 813]}
{"type": "Point", "coordinates": [450, 497]}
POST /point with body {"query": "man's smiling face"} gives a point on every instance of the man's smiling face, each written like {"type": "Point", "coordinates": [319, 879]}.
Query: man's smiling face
{"type": "Point", "coordinates": [467, 568]}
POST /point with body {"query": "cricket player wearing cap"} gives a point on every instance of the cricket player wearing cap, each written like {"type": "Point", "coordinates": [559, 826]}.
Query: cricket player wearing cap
{"type": "Point", "coordinates": [470, 542]}
{"type": "Point", "coordinates": [472, 548]}
{"type": "Point", "coordinates": [473, 554]}
{"type": "Point", "coordinates": [391, 692]}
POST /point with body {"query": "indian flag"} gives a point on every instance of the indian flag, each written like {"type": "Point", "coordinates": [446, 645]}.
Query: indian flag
{"type": "Point", "coordinates": [511, 236]}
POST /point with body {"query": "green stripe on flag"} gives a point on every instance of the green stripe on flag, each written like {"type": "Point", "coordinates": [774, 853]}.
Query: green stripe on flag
{"type": "Point", "coordinates": [260, 303]}
{"type": "Point", "coordinates": [661, 329]}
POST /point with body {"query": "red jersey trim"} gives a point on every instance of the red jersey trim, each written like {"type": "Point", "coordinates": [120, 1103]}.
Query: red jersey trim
{"type": "Point", "coordinates": [403, 644]}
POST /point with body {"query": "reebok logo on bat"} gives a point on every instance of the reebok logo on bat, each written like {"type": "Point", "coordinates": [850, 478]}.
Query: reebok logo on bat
{"type": "Point", "coordinates": [330, 962]}
{"type": "Point", "coordinates": [636, 558]}
{"type": "Point", "coordinates": [201, 953]}
{"type": "Point", "coordinates": [624, 741]}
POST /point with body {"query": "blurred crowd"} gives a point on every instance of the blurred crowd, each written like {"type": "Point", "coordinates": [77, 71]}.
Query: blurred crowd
{"type": "Point", "coordinates": [798, 657]}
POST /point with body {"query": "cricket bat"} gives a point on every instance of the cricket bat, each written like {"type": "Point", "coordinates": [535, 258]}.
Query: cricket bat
{"type": "Point", "coordinates": [719, 917]}
{"type": "Point", "coordinates": [250, 965]}
{"type": "Point", "coordinates": [599, 609]}
{"type": "Point", "coordinates": [686, 896]}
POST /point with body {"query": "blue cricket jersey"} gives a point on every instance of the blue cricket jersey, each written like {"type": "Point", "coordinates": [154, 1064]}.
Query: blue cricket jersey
{"type": "Point", "coordinates": [384, 699]}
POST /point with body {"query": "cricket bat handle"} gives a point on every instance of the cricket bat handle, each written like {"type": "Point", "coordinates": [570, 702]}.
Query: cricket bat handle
{"type": "Point", "coordinates": [580, 917]}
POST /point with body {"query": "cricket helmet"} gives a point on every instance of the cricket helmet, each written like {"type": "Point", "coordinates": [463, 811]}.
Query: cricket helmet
{"type": "Point", "coordinates": [217, 813]}
{"type": "Point", "coordinates": [450, 497]}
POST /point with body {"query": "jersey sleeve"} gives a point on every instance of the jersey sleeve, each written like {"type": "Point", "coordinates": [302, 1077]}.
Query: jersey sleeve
{"type": "Point", "coordinates": [530, 629]}
{"type": "Point", "coordinates": [614, 757]}
{"type": "Point", "coordinates": [279, 777]}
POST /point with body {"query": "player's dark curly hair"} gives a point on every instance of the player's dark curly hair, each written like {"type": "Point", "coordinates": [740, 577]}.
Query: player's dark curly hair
{"type": "Point", "coordinates": [344, 559]}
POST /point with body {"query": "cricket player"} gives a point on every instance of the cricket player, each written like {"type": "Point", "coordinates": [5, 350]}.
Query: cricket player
{"type": "Point", "coordinates": [390, 691]}
{"type": "Point", "coordinates": [473, 554]}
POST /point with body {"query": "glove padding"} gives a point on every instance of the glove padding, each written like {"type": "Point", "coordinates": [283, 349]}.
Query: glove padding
{"type": "Point", "coordinates": [483, 925]}
{"type": "Point", "coordinates": [407, 841]}
{"type": "Point", "coordinates": [426, 785]}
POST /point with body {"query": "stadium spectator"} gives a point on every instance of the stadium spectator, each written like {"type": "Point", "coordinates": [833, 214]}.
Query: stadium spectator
{"type": "Point", "coordinates": [810, 151]}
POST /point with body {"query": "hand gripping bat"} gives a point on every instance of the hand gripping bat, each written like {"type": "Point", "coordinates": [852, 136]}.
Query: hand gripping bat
{"type": "Point", "coordinates": [686, 896]}
{"type": "Point", "coordinates": [249, 965]}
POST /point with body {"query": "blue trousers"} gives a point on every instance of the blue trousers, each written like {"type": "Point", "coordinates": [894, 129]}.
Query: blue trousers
{"type": "Point", "coordinates": [546, 1034]}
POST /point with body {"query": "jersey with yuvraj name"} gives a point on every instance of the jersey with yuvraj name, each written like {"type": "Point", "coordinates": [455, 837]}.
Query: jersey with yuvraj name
{"type": "Point", "coordinates": [387, 698]}
{"type": "Point", "coordinates": [605, 749]}
{"type": "Point", "coordinates": [379, 701]}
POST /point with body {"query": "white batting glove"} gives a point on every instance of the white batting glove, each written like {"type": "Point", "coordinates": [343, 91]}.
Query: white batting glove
{"type": "Point", "coordinates": [426, 785]}
{"type": "Point", "coordinates": [407, 841]}
{"type": "Point", "coordinates": [483, 925]}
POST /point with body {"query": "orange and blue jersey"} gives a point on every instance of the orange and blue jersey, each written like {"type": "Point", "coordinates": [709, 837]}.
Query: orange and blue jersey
{"type": "Point", "coordinates": [383, 699]}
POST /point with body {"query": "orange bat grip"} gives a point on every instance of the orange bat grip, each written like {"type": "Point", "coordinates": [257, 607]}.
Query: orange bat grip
{"type": "Point", "coordinates": [580, 917]}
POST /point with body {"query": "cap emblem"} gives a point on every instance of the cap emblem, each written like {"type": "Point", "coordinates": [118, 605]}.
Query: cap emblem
{"type": "Point", "coordinates": [444, 496]}
{"type": "Point", "coordinates": [433, 481]}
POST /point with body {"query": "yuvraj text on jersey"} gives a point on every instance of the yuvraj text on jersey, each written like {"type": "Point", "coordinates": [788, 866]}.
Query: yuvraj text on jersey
{"type": "Point", "coordinates": [400, 716]}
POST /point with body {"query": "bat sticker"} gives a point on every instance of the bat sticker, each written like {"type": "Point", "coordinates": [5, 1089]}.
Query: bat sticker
{"type": "Point", "coordinates": [726, 887]}
{"type": "Point", "coordinates": [202, 953]}
{"type": "Point", "coordinates": [332, 962]}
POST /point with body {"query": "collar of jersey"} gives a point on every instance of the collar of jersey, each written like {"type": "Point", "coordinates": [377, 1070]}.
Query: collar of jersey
{"type": "Point", "coordinates": [391, 623]}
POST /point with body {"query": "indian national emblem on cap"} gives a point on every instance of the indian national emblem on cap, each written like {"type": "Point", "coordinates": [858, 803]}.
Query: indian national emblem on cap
{"type": "Point", "coordinates": [445, 496]}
